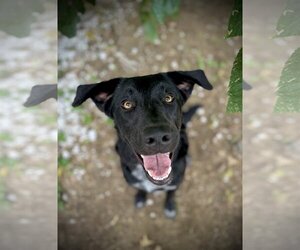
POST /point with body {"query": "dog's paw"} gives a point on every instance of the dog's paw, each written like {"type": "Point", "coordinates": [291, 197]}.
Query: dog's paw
{"type": "Point", "coordinates": [170, 213]}
{"type": "Point", "coordinates": [139, 204]}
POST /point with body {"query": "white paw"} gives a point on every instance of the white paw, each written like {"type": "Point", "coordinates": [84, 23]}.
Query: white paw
{"type": "Point", "coordinates": [139, 204]}
{"type": "Point", "coordinates": [170, 213]}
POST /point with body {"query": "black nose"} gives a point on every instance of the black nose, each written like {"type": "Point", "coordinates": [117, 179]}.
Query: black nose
{"type": "Point", "coordinates": [158, 139]}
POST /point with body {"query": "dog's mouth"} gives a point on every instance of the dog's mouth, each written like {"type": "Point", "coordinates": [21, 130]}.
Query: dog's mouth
{"type": "Point", "coordinates": [157, 166]}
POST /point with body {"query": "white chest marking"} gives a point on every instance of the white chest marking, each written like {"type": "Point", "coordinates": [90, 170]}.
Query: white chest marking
{"type": "Point", "coordinates": [145, 184]}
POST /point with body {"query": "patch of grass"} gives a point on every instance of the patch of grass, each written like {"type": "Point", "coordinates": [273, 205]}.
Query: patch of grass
{"type": "Point", "coordinates": [4, 93]}
{"type": "Point", "coordinates": [61, 136]}
{"type": "Point", "coordinates": [60, 92]}
{"type": "Point", "coordinates": [8, 162]}
{"type": "Point", "coordinates": [87, 119]}
{"type": "Point", "coordinates": [204, 63]}
{"type": "Point", "coordinates": [47, 119]}
{"type": "Point", "coordinates": [7, 137]}
{"type": "Point", "coordinates": [63, 162]}
{"type": "Point", "coordinates": [60, 201]}
{"type": "Point", "coordinates": [109, 122]}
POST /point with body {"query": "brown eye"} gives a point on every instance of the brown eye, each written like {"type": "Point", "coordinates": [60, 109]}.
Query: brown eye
{"type": "Point", "coordinates": [169, 98]}
{"type": "Point", "coordinates": [127, 105]}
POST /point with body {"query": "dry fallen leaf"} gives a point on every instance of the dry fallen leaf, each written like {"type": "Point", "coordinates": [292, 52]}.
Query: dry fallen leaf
{"type": "Point", "coordinates": [145, 241]}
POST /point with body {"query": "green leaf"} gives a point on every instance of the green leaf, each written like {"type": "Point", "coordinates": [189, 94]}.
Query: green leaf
{"type": "Point", "coordinates": [288, 93]}
{"type": "Point", "coordinates": [150, 29]}
{"type": "Point", "coordinates": [235, 95]}
{"type": "Point", "coordinates": [67, 18]}
{"type": "Point", "coordinates": [79, 6]}
{"type": "Point", "coordinates": [154, 13]}
{"type": "Point", "coordinates": [289, 21]}
{"type": "Point", "coordinates": [172, 7]}
{"type": "Point", "coordinates": [93, 2]}
{"type": "Point", "coordinates": [235, 21]}
{"type": "Point", "coordinates": [158, 10]}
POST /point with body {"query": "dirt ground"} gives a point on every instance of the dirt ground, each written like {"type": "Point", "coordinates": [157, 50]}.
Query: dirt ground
{"type": "Point", "coordinates": [97, 210]}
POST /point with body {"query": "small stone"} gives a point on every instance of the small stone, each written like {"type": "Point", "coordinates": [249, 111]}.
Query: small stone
{"type": "Point", "coordinates": [149, 202]}
{"type": "Point", "coordinates": [11, 197]}
{"type": "Point", "coordinates": [72, 221]}
{"type": "Point", "coordinates": [102, 56]}
{"type": "Point", "coordinates": [152, 215]}
{"type": "Point", "coordinates": [174, 65]}
{"type": "Point", "coordinates": [134, 51]}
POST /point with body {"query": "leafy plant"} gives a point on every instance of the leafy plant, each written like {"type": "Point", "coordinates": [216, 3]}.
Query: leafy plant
{"type": "Point", "coordinates": [154, 13]}
{"type": "Point", "coordinates": [288, 93]}
{"type": "Point", "coordinates": [235, 27]}
{"type": "Point", "coordinates": [289, 21]}
{"type": "Point", "coordinates": [69, 15]}
{"type": "Point", "coordinates": [235, 96]}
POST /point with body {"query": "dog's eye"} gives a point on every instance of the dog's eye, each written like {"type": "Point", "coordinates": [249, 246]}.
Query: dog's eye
{"type": "Point", "coordinates": [127, 105]}
{"type": "Point", "coordinates": [169, 98]}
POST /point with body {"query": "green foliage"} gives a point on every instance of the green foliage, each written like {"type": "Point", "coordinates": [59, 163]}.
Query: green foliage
{"type": "Point", "coordinates": [63, 162]}
{"type": "Point", "coordinates": [235, 94]}
{"type": "Point", "coordinates": [68, 15]}
{"type": "Point", "coordinates": [6, 137]}
{"type": "Point", "coordinates": [4, 93]}
{"type": "Point", "coordinates": [288, 92]}
{"type": "Point", "coordinates": [289, 22]}
{"type": "Point", "coordinates": [109, 121]}
{"type": "Point", "coordinates": [61, 136]}
{"type": "Point", "coordinates": [154, 13]}
{"type": "Point", "coordinates": [8, 162]}
{"type": "Point", "coordinates": [235, 25]}
{"type": "Point", "coordinates": [60, 201]}
{"type": "Point", "coordinates": [87, 119]}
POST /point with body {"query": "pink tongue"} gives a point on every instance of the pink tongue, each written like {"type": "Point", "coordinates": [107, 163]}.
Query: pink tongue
{"type": "Point", "coordinates": [157, 165]}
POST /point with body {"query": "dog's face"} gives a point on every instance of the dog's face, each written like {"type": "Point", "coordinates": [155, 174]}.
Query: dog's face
{"type": "Point", "coordinates": [147, 114]}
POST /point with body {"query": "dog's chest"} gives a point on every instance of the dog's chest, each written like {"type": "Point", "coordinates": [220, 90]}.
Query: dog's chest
{"type": "Point", "coordinates": [145, 184]}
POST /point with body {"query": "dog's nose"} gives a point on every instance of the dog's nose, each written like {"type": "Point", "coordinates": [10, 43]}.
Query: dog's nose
{"type": "Point", "coordinates": [157, 139]}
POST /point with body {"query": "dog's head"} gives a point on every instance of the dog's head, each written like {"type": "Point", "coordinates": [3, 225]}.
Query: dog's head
{"type": "Point", "coordinates": [147, 114]}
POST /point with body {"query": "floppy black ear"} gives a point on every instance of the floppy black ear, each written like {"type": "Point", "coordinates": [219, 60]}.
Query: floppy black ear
{"type": "Point", "coordinates": [101, 94]}
{"type": "Point", "coordinates": [41, 93]}
{"type": "Point", "coordinates": [185, 81]}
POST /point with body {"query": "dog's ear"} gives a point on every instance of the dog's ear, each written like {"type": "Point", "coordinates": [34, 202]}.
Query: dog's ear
{"type": "Point", "coordinates": [101, 94]}
{"type": "Point", "coordinates": [41, 93]}
{"type": "Point", "coordinates": [185, 81]}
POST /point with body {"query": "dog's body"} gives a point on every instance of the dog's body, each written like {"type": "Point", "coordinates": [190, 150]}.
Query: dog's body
{"type": "Point", "coordinates": [152, 141]}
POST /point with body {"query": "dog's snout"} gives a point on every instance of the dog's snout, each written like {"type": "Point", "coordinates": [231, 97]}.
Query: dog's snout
{"type": "Point", "coordinates": [158, 139]}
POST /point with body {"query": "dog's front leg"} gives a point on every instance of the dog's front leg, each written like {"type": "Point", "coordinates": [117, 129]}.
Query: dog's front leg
{"type": "Point", "coordinates": [170, 205]}
{"type": "Point", "coordinates": [140, 198]}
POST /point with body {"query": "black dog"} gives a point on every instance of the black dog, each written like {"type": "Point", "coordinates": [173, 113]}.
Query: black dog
{"type": "Point", "coordinates": [152, 142]}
